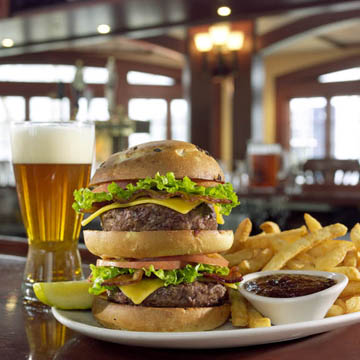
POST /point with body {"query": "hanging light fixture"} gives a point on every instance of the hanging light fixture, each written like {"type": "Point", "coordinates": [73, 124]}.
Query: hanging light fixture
{"type": "Point", "coordinates": [225, 44]}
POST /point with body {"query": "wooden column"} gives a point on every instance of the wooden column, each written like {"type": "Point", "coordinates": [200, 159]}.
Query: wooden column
{"type": "Point", "coordinates": [328, 126]}
{"type": "Point", "coordinates": [243, 93]}
{"type": "Point", "coordinates": [200, 92]}
{"type": "Point", "coordinates": [206, 99]}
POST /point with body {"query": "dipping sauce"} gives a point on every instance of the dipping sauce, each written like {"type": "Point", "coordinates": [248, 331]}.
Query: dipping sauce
{"type": "Point", "coordinates": [288, 285]}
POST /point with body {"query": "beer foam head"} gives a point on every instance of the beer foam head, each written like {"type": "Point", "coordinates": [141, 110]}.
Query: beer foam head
{"type": "Point", "coordinates": [52, 143]}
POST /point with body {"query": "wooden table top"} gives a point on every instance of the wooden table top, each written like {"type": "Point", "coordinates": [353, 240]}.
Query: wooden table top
{"type": "Point", "coordinates": [33, 333]}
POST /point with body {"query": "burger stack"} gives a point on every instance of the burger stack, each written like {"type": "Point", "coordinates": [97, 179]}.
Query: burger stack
{"type": "Point", "coordinates": [159, 267]}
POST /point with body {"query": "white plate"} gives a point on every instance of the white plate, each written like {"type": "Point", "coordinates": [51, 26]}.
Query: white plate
{"type": "Point", "coordinates": [226, 336]}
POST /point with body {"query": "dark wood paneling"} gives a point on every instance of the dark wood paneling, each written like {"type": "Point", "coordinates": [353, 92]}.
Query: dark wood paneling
{"type": "Point", "coordinates": [4, 8]}
{"type": "Point", "coordinates": [42, 89]}
{"type": "Point", "coordinates": [146, 91]}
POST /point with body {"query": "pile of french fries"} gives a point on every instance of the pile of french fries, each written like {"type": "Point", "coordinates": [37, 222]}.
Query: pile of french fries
{"type": "Point", "coordinates": [309, 247]}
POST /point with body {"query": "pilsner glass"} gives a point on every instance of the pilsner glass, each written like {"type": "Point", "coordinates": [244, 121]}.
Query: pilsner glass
{"type": "Point", "coordinates": [50, 161]}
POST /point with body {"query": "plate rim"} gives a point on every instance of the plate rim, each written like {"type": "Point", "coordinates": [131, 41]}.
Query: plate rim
{"type": "Point", "coordinates": [196, 339]}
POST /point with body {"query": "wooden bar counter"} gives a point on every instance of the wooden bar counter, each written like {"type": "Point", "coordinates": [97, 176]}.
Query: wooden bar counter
{"type": "Point", "coordinates": [29, 332]}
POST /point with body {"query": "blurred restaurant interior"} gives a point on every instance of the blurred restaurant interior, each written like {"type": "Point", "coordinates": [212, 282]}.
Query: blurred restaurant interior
{"type": "Point", "coordinates": [247, 80]}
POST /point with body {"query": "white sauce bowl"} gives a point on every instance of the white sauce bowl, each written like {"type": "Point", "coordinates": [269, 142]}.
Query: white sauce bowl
{"type": "Point", "coordinates": [295, 309]}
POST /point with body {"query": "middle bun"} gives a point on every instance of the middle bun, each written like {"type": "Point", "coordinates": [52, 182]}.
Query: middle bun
{"type": "Point", "coordinates": [142, 244]}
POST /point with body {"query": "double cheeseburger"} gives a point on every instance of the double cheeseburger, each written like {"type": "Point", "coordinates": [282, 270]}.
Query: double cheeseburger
{"type": "Point", "coordinates": [160, 204]}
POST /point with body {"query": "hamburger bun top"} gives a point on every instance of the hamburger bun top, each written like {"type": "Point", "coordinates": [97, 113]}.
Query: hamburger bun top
{"type": "Point", "coordinates": [179, 157]}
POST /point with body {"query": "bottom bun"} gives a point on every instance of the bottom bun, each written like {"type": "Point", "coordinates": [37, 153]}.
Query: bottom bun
{"type": "Point", "coordinates": [141, 318]}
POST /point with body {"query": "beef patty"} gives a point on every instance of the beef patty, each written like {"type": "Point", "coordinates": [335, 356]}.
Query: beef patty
{"type": "Point", "coordinates": [151, 217]}
{"type": "Point", "coordinates": [196, 294]}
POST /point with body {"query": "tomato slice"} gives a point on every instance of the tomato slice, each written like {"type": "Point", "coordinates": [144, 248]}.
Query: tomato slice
{"type": "Point", "coordinates": [167, 262]}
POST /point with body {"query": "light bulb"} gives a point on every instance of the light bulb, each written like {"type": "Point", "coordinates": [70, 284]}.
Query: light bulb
{"type": "Point", "coordinates": [219, 34]}
{"type": "Point", "coordinates": [235, 40]}
{"type": "Point", "coordinates": [203, 42]}
{"type": "Point", "coordinates": [223, 11]}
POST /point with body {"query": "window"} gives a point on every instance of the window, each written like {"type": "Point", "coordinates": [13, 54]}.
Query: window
{"type": "Point", "coordinates": [180, 127]}
{"type": "Point", "coordinates": [352, 74]}
{"type": "Point", "coordinates": [311, 129]}
{"type": "Point", "coordinates": [43, 108]}
{"type": "Point", "coordinates": [346, 126]}
{"type": "Point", "coordinates": [153, 110]}
{"type": "Point", "coordinates": [46, 73]}
{"type": "Point", "coordinates": [12, 108]}
{"type": "Point", "coordinates": [307, 128]}
{"type": "Point", "coordinates": [141, 78]}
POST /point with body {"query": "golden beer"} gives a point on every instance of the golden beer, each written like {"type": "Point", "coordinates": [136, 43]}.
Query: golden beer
{"type": "Point", "coordinates": [50, 161]}
{"type": "Point", "coordinates": [45, 193]}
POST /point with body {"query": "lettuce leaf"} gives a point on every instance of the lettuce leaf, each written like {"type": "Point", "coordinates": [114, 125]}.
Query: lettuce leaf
{"type": "Point", "coordinates": [188, 274]}
{"type": "Point", "coordinates": [85, 198]}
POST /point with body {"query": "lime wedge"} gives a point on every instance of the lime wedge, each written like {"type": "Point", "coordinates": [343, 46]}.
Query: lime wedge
{"type": "Point", "coordinates": [64, 294]}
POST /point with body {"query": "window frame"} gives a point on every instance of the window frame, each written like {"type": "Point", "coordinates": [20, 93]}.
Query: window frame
{"type": "Point", "coordinates": [305, 83]}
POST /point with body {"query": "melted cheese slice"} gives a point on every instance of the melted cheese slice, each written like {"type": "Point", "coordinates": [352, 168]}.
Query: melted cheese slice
{"type": "Point", "coordinates": [139, 291]}
{"type": "Point", "coordinates": [219, 218]}
{"type": "Point", "coordinates": [177, 204]}
{"type": "Point", "coordinates": [231, 286]}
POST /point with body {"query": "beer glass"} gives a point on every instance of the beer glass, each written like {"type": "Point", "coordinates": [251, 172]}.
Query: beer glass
{"type": "Point", "coordinates": [50, 161]}
{"type": "Point", "coordinates": [264, 162]}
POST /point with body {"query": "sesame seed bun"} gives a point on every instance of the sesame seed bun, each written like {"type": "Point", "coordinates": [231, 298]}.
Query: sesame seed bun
{"type": "Point", "coordinates": [179, 157]}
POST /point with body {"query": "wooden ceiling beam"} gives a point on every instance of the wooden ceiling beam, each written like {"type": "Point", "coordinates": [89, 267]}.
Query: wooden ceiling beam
{"type": "Point", "coordinates": [90, 59]}
{"type": "Point", "coordinates": [302, 27]}
{"type": "Point", "coordinates": [334, 43]}
{"type": "Point", "coordinates": [312, 73]}
{"type": "Point", "coordinates": [168, 42]}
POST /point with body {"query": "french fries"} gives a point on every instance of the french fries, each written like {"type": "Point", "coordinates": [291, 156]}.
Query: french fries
{"type": "Point", "coordinates": [257, 262]}
{"type": "Point", "coordinates": [270, 227]}
{"type": "Point", "coordinates": [312, 224]}
{"type": "Point", "coordinates": [239, 312]}
{"type": "Point", "coordinates": [303, 244]}
{"type": "Point", "coordinates": [353, 304]}
{"type": "Point", "coordinates": [355, 236]}
{"type": "Point", "coordinates": [310, 247]}
{"type": "Point", "coordinates": [272, 240]}
{"type": "Point", "coordinates": [241, 235]}
{"type": "Point", "coordinates": [256, 320]}
{"type": "Point", "coordinates": [335, 310]}
{"type": "Point", "coordinates": [351, 258]}
{"type": "Point", "coordinates": [237, 257]}
{"type": "Point", "coordinates": [333, 257]}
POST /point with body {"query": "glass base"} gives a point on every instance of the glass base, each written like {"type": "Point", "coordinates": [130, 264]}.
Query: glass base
{"type": "Point", "coordinates": [49, 263]}
{"type": "Point", "coordinates": [28, 293]}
